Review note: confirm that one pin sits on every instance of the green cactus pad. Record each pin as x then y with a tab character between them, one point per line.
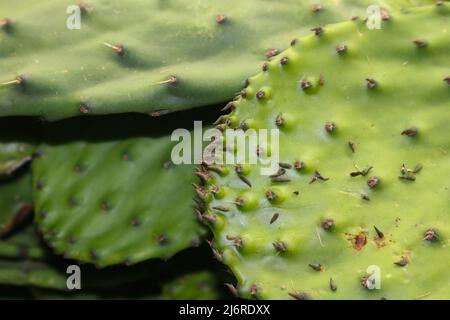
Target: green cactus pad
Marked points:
146	56
23	244
13	156
15	202
201	285
113	201
364	156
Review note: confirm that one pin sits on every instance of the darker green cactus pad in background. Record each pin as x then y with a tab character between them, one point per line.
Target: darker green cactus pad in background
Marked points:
363	183
106	191
15	202
146	56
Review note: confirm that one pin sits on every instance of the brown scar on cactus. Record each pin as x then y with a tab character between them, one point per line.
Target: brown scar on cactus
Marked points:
352	146
220	19
118	48
358	240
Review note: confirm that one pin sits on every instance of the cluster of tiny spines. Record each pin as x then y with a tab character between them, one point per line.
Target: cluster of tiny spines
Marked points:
359	240
85	108
50	236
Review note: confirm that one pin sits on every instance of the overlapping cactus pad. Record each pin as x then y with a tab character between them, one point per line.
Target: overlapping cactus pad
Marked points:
363	181
146	56
15	202
110	202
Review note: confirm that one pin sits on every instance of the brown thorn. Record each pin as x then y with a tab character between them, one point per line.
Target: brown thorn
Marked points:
232	289
379	233
245	180
274	217
118	48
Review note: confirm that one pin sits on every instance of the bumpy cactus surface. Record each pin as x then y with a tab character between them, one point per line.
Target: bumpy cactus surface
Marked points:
145	56
360	198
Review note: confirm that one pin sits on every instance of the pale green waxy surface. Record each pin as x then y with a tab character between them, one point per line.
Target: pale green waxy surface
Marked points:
410	92
67	72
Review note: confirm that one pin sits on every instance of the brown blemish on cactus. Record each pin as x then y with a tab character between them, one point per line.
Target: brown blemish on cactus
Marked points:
220	19
284	61
293	42
272	53
118	48
233	290
318	176
274	217
279	246
358	241
265	66
330	127
373	182
327	224
298	295
318	31
371	83
316	267
420	43
316	8
410	132
341	48
431	235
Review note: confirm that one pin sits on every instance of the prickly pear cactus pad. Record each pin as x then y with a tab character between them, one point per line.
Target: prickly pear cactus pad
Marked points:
112	201
15	202
13	156
201	285
145	56
361	196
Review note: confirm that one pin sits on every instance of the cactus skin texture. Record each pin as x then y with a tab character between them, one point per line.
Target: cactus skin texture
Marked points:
200	285
15	202
13	156
314	235
112	200
146	56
